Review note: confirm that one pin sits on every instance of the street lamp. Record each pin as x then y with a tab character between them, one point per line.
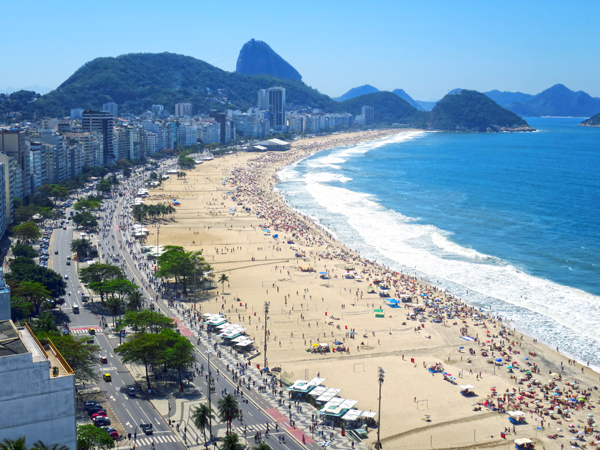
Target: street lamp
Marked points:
380	378
207	353
266	319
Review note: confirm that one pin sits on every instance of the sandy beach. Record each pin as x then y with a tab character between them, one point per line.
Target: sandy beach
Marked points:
415	345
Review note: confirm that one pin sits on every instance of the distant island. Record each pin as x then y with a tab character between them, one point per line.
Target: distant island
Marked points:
593	121
473	111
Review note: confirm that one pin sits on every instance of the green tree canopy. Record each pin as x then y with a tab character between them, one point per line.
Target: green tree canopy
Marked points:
24	250
85	219
82	357
229	409
146	321
81	246
90	437
176	262
202	416
100	273
25	269
34	293
27	231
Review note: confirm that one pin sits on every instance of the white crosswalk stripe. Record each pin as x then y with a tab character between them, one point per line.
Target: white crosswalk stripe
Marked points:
157	439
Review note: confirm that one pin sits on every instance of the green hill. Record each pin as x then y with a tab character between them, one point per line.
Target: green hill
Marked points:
136	81
593	121
389	109
473	111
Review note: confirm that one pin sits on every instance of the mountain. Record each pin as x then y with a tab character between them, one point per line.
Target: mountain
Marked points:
35	88
407	98
555	101
473	111
389	109
136	81
256	57
355	92
506	98
593	121
426	106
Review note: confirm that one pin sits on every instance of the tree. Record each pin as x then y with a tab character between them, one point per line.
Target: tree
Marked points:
104	186
146	320
60	192
202	416
85	219
24	250
143	348
126	172
90	437
82	357
181	355
135	300
45	323
177	263
223	279
34	293
42	446
80	246
25	269
114	305
13	444
27	231
229	409
89	203
25	213
230	442
98	273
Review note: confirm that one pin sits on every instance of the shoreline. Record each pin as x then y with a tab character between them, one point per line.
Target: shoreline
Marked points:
423	277
261	268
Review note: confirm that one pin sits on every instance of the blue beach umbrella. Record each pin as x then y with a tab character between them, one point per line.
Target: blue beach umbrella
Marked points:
499	360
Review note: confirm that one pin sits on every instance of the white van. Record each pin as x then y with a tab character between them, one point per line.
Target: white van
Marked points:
75	308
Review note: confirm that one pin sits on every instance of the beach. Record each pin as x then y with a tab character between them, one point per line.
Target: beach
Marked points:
319	292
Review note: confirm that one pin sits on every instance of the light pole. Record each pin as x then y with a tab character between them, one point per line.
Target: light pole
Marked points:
380	378
266	319
207	353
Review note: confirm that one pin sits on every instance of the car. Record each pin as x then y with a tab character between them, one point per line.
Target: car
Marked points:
64	228
107	377
56	252
101	421
112	432
101	413
92	404
66	277
68	263
131	391
103	360
146	428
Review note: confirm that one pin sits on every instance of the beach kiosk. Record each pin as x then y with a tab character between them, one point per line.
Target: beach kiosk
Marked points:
301	388
524	444
516	417
336	408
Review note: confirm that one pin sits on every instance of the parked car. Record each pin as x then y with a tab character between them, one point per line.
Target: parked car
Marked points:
100	413
112	432
91	404
101	421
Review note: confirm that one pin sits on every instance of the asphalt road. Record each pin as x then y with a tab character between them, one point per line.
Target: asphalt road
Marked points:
132	411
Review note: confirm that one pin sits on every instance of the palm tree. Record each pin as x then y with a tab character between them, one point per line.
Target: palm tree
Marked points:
229	409
114	305
42	446
230	442
223	279
81	247
262	445
135	299
201	417
13	444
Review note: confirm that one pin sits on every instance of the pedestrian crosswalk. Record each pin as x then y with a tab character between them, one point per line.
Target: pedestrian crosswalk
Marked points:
84	330
254	428
156	438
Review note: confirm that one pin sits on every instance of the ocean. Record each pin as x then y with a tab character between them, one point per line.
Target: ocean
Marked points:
507	222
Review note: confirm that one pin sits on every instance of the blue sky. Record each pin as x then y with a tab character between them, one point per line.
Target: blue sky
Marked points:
425	48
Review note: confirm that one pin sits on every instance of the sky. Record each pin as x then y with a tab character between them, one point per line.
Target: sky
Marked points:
425	48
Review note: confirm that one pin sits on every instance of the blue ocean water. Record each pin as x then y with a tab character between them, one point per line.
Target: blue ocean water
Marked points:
508	222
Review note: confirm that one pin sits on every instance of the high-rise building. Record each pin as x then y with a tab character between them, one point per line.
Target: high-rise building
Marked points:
3	226
102	122
368	115
277	109
37	155
10	169
157	110
76	113
12	142
111	108
37	393
183	110
263	100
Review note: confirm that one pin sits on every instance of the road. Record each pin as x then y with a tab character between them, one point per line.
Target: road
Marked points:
133	411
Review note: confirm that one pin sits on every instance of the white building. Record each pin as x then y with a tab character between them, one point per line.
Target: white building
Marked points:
111	108
37	393
183	110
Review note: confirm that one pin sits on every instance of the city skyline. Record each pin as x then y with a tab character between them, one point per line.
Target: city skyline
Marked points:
426	52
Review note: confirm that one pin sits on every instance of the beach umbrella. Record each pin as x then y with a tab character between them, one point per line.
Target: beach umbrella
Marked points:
461	348
338	343
509	367
499	360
